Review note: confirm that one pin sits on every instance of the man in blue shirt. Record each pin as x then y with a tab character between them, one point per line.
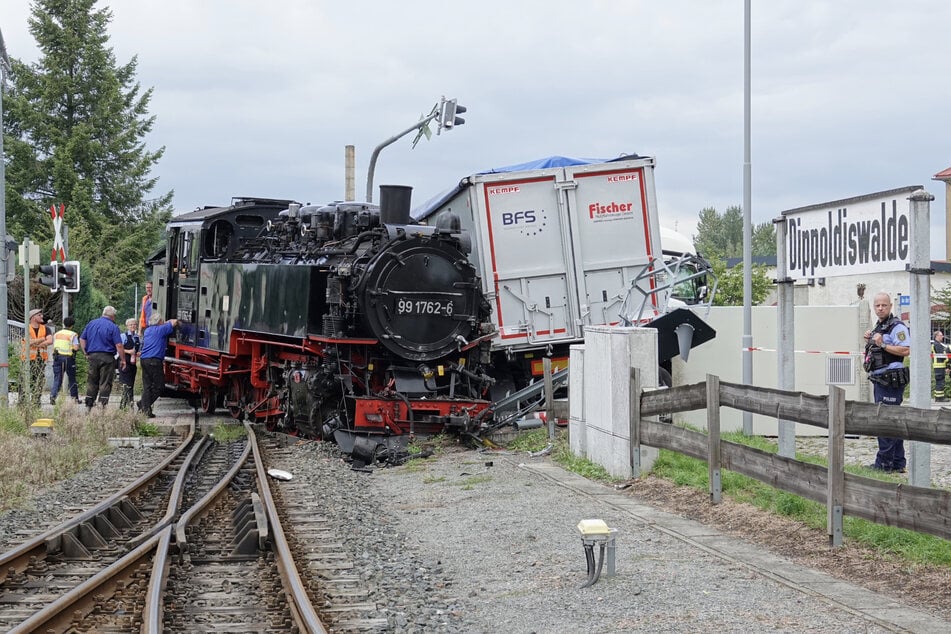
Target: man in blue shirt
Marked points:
101	342
152	360
887	345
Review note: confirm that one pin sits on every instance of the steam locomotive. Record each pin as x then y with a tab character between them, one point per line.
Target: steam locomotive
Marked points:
341	321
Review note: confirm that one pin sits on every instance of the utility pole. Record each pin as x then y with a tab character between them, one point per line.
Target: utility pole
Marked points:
4	327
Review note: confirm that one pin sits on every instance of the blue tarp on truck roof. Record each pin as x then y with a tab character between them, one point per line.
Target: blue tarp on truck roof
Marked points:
427	208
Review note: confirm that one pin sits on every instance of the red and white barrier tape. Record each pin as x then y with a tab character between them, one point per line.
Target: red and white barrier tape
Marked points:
757	349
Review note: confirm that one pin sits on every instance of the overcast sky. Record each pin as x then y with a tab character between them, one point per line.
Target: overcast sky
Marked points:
255	98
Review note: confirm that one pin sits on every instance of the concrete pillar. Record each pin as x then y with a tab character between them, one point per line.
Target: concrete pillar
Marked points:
609	354
576	419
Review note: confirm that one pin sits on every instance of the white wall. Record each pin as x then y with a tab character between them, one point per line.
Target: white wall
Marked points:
817	328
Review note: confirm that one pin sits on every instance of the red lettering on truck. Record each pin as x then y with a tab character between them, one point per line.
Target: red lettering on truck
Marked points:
602	209
622	177
508	189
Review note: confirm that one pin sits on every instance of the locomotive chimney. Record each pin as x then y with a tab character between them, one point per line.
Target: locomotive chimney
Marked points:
395	204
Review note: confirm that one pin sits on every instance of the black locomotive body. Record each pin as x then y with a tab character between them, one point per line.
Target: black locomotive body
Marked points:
340	320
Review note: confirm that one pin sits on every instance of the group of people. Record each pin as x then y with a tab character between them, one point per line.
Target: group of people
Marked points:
107	348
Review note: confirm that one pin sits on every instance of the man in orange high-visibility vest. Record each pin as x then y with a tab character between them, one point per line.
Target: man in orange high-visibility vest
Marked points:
145	312
36	340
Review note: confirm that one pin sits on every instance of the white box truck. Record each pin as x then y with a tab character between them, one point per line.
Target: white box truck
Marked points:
566	243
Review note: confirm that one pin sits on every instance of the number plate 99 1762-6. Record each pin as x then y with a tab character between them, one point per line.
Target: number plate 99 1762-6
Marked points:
437	307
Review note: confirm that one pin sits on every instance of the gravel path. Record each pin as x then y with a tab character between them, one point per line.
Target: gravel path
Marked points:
506	536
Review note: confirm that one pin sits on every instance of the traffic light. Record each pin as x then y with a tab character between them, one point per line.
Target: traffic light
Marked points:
48	275
450	110
68	276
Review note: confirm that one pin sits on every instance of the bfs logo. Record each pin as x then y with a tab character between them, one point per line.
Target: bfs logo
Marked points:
518	217
528	222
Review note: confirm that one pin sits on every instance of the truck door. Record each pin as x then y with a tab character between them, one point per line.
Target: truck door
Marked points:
616	234
528	259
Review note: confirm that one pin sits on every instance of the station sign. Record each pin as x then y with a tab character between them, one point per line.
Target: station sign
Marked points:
864	234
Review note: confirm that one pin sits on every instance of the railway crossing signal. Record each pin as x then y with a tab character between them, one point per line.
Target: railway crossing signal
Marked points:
449	114
61	276
49	275
68	276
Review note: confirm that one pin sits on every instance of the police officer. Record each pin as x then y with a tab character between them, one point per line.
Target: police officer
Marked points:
939	363
131	344
887	344
65	346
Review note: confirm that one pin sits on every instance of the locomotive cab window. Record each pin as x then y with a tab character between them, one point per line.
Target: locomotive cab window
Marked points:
218	239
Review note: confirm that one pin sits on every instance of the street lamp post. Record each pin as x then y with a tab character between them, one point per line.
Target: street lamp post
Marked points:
443	112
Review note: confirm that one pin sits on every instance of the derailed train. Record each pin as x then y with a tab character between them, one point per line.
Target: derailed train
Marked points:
341	321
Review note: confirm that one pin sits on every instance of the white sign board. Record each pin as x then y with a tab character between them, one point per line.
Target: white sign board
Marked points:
865	234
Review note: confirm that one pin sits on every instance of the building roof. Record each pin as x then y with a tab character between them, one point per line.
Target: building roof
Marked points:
943	175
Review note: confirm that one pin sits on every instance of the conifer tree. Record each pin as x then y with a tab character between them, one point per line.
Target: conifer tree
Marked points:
76	122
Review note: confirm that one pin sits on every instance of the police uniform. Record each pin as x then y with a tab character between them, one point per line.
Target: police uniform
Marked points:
65	345
889	376
939	363
131	344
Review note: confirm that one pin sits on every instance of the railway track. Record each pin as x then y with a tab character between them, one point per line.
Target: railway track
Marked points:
195	544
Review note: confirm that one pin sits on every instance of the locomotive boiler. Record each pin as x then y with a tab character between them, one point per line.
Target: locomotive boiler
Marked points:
343	320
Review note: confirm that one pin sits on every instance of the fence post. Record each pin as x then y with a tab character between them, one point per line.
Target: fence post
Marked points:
713	437
635	422
836	473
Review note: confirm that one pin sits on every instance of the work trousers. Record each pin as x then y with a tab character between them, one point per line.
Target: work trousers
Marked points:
127	381
891	451
101	373
64	365
939	384
37	369
153	382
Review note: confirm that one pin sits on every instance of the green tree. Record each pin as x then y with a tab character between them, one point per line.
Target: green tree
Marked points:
730	284
941	302
76	121
721	235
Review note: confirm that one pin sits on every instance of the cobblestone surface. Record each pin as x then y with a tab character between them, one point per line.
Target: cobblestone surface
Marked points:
861	451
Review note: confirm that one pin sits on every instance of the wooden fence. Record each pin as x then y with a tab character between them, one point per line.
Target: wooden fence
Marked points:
920	509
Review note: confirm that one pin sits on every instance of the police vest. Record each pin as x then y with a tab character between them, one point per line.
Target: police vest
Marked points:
63	342
877	357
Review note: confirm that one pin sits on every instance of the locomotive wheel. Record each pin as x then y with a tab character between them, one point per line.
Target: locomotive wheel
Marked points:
236	394
209	399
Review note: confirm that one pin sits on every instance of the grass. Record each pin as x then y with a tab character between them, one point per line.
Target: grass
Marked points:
908	545
685	471
32	463
228	432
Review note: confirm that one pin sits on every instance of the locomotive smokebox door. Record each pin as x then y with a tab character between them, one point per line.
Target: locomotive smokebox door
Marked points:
420	298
